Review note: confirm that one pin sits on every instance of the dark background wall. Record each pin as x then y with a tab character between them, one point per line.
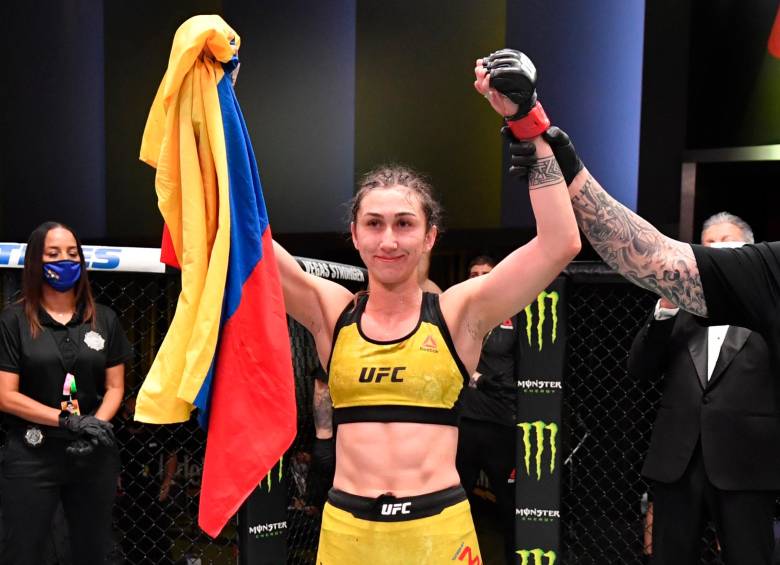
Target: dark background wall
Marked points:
331	90
52	162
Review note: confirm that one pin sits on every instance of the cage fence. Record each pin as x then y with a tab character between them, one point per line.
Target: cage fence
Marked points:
607	422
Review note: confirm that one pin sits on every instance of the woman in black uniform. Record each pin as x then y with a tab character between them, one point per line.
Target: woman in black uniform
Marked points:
61	380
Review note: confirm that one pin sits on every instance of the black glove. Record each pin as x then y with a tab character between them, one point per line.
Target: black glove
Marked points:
513	74
564	152
81	447
323	467
323	456
522	154
88	427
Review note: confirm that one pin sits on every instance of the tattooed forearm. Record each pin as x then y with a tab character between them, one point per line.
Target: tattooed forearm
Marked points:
544	173
637	250
323	409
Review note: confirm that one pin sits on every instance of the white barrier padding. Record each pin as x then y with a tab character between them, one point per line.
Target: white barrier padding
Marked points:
98	258
330	270
147	260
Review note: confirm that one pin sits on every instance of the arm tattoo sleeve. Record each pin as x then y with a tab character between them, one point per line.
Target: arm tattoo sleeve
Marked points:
323	409
544	173
637	250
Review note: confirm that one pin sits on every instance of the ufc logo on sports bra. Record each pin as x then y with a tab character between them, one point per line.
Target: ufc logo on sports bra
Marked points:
376	374
393	509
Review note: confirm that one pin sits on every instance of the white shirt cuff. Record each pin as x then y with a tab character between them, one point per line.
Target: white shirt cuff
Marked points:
664	313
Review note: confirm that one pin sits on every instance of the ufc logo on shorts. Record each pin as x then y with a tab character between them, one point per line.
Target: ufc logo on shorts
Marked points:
393	509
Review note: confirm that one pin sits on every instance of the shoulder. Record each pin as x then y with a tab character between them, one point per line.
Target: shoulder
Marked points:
106	317
105	312
12	314
713	257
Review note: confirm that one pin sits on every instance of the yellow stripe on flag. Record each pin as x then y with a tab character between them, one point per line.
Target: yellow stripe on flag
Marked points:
184	140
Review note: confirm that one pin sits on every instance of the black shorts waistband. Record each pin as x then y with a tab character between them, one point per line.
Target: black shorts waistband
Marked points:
388	508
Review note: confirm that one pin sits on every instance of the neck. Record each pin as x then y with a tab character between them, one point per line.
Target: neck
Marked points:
58	302
394	299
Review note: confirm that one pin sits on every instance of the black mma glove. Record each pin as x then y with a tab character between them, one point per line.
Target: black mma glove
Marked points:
522	154
323	467
513	74
80	447
323	456
564	152
88	427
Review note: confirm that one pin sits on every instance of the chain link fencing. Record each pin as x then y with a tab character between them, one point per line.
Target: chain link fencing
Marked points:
608	418
607	423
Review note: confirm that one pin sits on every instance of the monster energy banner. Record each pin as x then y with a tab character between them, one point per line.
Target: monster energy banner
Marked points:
539	401
262	522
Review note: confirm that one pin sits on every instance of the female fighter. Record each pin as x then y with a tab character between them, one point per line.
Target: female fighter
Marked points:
397	358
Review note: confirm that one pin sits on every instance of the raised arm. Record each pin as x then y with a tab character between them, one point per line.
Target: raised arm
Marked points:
486	301
314	302
517	280
628	243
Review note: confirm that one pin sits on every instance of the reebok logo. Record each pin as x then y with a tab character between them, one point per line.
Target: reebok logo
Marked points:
396	508
429	345
376	374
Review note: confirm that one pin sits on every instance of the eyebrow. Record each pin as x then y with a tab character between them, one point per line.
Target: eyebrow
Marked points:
397	215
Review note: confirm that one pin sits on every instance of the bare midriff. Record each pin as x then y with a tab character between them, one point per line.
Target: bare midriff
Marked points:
397	458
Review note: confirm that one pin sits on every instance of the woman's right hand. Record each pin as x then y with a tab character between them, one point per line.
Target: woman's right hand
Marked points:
500	103
89	427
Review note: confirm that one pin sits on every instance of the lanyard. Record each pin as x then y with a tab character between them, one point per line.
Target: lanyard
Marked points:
69	386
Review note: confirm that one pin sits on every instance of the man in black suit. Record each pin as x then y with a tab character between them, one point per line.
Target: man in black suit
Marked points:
713	447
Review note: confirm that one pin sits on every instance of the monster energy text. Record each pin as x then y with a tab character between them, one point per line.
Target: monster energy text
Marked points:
537	514
542	307
537	386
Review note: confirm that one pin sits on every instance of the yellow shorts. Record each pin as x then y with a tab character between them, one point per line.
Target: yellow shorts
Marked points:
431	529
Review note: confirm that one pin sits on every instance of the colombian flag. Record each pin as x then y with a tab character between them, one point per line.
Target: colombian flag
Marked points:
227	350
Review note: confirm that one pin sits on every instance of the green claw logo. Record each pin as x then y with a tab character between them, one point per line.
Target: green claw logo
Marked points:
538	556
542	307
269	476
539	428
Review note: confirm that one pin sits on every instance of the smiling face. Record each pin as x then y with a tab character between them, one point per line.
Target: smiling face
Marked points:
391	233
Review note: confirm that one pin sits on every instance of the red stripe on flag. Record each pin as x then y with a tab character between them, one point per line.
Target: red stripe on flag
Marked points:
253	414
774	37
167	252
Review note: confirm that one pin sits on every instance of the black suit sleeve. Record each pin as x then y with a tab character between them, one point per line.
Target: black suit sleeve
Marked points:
649	352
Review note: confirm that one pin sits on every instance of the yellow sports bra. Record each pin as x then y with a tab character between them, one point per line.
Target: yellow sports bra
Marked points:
417	378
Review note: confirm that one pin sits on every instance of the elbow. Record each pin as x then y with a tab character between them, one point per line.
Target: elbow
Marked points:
6	401
561	247
575	245
569	245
